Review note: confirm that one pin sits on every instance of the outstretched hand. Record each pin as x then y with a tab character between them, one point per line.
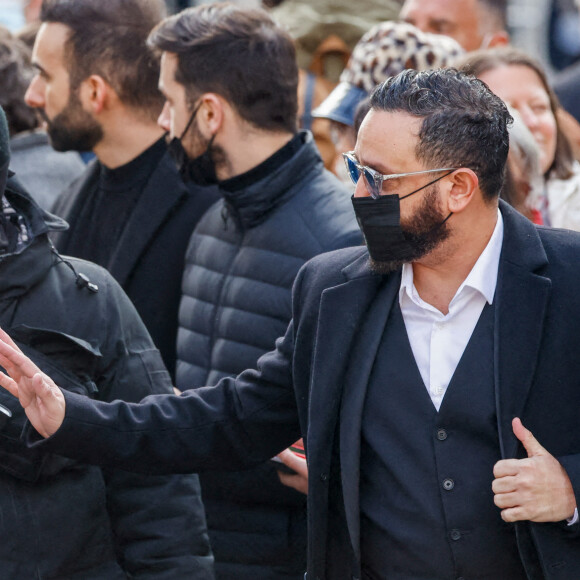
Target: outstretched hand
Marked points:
536	488
41	399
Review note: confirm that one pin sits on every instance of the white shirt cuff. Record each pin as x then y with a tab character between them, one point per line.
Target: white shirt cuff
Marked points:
571	521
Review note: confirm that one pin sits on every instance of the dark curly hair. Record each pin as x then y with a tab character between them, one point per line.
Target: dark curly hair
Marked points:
464	123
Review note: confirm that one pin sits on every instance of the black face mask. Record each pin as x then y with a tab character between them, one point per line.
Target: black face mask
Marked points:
200	169
380	223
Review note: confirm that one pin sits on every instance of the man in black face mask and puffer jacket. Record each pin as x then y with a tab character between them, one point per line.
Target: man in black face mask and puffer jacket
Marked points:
230	79
61	519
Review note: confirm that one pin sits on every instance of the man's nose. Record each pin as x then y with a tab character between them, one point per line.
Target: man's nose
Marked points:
34	96
361	188
164	120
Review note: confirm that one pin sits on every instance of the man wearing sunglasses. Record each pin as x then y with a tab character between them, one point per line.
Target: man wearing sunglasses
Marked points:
410	367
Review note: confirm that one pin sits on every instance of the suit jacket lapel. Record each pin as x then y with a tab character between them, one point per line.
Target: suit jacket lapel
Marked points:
522	296
161	197
363	355
333	343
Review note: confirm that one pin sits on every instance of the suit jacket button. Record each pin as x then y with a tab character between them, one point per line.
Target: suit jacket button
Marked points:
441	434
455	535
323	476
448	484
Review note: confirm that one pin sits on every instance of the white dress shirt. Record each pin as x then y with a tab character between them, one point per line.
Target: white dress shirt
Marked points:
438	340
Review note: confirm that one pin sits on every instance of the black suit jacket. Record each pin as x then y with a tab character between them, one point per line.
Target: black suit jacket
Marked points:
148	262
314	385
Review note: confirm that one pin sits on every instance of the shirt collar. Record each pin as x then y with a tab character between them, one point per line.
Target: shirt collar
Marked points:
483	275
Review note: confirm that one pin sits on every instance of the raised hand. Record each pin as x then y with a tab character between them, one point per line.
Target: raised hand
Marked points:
537	488
41	399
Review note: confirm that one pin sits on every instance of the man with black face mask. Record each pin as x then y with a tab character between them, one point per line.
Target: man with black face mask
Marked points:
230	78
414	390
129	211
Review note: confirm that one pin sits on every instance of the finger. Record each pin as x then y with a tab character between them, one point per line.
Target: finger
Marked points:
506	468
14	361
505	484
5	337
295	463
43	386
9	384
296	482
515	514
50	398
507	500
529	442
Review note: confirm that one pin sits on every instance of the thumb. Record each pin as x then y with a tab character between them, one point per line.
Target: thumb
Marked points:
529	442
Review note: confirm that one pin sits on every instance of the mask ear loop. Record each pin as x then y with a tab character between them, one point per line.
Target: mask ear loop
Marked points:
191	118
427	185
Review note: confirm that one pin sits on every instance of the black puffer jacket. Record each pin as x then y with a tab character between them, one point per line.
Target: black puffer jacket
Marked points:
240	267
61	520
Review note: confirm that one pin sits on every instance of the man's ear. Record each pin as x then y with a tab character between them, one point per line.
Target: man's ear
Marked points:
94	93
500	38
464	185
212	113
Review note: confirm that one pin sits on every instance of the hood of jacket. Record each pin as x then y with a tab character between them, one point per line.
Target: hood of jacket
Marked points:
32	257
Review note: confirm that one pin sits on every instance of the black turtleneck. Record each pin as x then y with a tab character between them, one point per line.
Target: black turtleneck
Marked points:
265	168
99	227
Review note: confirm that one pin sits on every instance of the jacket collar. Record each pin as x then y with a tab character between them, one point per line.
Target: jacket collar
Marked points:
522	297
250	206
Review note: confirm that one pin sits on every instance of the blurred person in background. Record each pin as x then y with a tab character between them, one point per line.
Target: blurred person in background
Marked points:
524	187
472	23
325	32
521	82
229	77
384	51
32	10
42	170
96	88
567	83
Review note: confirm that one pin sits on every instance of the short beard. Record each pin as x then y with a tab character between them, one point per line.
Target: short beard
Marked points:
73	129
424	232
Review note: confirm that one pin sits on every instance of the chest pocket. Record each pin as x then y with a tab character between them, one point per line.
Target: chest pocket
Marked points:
72	363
